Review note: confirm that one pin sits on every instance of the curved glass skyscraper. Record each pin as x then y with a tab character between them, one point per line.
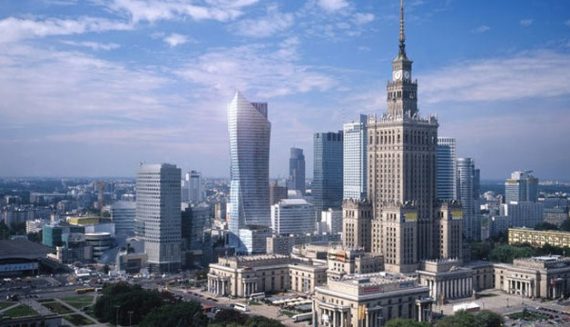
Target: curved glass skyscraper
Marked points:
249	132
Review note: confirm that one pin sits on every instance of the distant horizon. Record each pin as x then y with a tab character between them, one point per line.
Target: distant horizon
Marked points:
483	181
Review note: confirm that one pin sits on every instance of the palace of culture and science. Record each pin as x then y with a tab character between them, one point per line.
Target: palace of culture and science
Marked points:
402	176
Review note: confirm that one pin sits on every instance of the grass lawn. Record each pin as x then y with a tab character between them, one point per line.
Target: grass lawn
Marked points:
78	320
57	307
20	311
79	301
4	305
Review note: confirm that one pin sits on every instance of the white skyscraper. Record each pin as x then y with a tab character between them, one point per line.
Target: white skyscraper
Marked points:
446	171
249	133
292	216
355	146
158	214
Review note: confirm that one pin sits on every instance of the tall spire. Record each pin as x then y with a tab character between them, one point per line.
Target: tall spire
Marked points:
402	52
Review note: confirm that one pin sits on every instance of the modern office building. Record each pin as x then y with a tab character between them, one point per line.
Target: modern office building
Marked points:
356	224
123	214
253	239
293	216
465	180
522	186
195	183
195	220
331	222
402	169
355	149
523	214
556	216
446	174
277	193
327	170
249	133
158	211
297	170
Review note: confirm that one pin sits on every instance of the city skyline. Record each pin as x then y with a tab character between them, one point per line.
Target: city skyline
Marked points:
113	109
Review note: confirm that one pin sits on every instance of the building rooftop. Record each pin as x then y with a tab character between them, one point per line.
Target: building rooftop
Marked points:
290	202
12	249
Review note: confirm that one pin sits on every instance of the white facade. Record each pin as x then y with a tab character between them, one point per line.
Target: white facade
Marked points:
446	173
158	211
331	221
123	215
355	146
292	216
249	132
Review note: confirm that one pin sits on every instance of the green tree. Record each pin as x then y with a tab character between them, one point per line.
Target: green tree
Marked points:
459	319
565	226
400	322
462	318
486	318
545	226
227	316
481	250
179	314
259	321
121	298
506	253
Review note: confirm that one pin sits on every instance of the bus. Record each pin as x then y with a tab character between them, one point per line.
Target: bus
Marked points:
240	307
84	290
259	296
302	317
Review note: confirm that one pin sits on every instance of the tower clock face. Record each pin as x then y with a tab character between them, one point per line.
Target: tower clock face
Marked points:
407	75
397	75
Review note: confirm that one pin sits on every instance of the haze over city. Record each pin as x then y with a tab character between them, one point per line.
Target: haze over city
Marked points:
94	88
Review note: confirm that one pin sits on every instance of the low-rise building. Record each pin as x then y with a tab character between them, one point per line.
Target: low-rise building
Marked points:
539	238
537	277
446	279
241	276
370	300
343	261
283	244
304	277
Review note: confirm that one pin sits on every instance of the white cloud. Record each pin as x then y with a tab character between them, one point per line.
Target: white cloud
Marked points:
363	18
274	22
526	75
567	23
257	70
155	10
526	22
14	29
39	85
481	29
332	5
175	39
97	46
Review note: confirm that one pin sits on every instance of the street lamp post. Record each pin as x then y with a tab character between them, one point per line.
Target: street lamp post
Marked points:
130	317
117	307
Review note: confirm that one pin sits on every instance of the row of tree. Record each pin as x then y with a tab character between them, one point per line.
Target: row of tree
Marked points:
126	304
483	318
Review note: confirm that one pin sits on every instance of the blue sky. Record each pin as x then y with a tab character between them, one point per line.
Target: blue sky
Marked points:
92	88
